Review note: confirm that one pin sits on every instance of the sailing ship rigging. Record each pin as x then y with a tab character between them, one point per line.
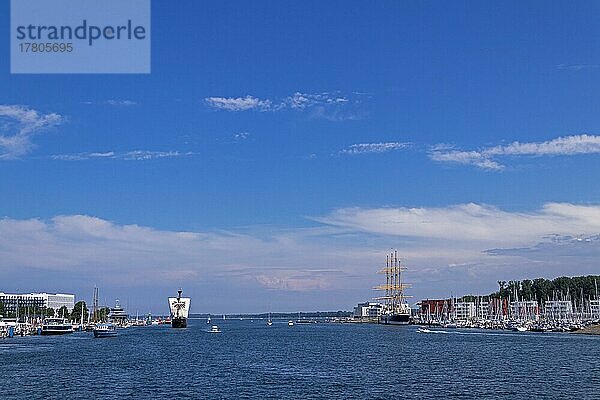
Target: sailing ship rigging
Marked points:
396	310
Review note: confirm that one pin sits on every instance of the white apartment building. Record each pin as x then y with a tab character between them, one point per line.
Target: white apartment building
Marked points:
558	309
483	310
525	310
464	310
595	308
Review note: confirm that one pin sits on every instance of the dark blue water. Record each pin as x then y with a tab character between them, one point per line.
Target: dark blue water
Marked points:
252	360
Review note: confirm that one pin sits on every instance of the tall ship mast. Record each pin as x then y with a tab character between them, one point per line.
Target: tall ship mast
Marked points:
396	310
180	308
95	305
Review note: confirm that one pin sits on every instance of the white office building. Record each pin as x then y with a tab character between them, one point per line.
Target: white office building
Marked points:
12	301
368	310
58	300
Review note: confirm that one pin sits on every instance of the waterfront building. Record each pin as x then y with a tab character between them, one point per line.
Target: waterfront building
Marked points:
525	310
368	310
464	310
58	300
483	310
435	309
558	309
11	301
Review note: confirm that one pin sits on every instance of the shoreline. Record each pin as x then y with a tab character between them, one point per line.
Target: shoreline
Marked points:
589	330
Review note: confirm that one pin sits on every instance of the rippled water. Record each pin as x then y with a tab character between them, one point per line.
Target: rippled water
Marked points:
252	360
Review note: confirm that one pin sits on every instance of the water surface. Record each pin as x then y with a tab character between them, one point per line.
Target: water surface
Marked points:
310	361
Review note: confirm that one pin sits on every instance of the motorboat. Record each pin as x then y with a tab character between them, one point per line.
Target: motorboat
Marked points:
105	330
214	329
56	326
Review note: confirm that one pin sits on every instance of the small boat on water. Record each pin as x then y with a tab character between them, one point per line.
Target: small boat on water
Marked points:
426	330
269	321
290	323
105	330
56	326
214	329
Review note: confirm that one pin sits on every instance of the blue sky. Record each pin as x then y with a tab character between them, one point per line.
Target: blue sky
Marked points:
278	150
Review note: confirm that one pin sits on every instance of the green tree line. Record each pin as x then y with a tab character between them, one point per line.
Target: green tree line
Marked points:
542	289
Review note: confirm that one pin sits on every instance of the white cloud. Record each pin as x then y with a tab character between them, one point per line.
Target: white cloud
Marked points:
135	155
239	103
471	222
134	254
107	154
70	157
462	248
562	146
304	100
475	158
362	148
139	155
18	126
112	102
333	106
241	136
576	67
121	102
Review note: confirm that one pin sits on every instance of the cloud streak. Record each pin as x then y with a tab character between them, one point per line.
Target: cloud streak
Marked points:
18	126
382	147
239	103
486	158
328	105
470	222
135	155
121	102
576	67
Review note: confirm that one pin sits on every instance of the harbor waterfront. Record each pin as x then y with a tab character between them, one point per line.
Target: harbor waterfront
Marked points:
540	305
254	360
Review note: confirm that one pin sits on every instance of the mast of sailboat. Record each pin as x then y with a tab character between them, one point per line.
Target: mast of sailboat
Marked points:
95	304
178	301
387	281
597	299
